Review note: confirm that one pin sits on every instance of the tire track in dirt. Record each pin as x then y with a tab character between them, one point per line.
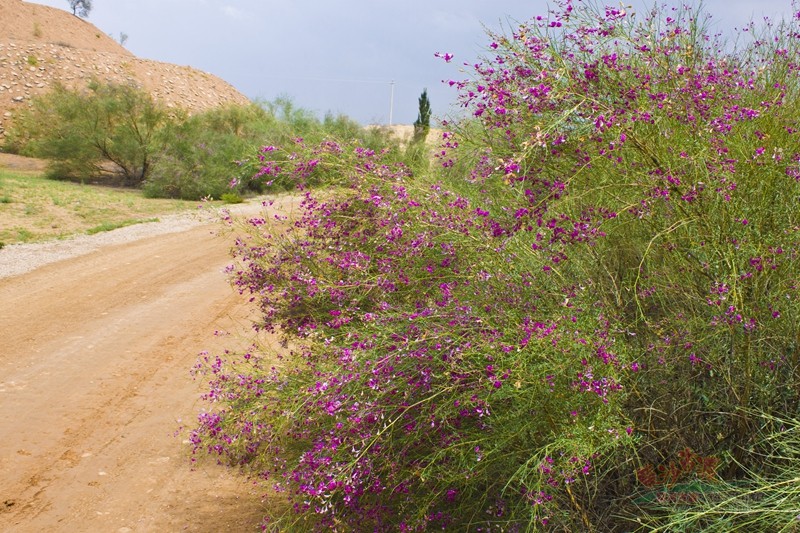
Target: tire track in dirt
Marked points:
94	384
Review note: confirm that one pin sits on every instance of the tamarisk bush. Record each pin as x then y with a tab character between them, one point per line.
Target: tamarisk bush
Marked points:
603	272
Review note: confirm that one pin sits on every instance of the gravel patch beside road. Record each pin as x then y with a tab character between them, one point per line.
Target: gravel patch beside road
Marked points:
16	259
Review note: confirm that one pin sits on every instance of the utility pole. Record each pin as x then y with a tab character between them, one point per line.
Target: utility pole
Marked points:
391	101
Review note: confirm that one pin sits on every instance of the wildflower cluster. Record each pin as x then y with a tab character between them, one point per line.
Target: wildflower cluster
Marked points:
607	256
414	355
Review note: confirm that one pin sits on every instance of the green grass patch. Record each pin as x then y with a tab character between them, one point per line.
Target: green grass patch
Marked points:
231	198
35	209
110	226
23	235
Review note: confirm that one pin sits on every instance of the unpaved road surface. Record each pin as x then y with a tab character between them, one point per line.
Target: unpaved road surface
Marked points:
95	384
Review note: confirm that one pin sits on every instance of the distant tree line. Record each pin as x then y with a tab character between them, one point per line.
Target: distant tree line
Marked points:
117	133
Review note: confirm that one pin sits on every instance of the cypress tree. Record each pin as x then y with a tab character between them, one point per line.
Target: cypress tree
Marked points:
423	123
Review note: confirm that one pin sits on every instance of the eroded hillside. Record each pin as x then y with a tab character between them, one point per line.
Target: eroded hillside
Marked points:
41	46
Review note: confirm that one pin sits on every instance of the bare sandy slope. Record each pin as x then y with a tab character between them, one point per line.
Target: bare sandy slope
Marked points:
95	359
41	46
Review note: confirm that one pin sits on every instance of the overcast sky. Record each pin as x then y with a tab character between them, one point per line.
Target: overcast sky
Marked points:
339	56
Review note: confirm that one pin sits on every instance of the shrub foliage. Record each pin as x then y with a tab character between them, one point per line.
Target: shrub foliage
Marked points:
119	130
107	128
602	275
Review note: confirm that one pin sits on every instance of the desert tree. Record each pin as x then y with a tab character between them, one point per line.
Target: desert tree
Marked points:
105	129
80	8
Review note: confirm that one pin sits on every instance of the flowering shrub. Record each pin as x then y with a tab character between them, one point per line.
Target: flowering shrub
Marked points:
603	273
429	381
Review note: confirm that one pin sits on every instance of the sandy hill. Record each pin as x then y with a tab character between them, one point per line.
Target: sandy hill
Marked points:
42	45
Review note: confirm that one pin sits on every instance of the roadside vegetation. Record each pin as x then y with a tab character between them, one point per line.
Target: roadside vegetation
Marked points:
584	317
119	135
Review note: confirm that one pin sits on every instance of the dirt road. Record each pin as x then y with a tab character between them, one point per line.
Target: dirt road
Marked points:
95	359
